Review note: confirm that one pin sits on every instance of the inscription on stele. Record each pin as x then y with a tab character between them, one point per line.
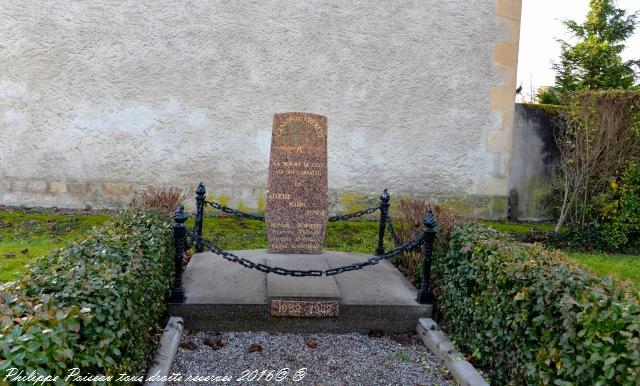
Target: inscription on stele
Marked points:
297	199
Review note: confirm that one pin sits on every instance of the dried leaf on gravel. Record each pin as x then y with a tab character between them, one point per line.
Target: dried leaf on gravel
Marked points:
255	347
216	344
189	345
403	339
312	343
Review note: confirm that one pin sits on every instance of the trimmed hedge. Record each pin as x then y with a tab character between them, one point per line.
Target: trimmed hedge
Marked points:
532	318
94	305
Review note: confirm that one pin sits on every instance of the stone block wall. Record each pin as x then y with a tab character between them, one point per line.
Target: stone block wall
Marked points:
101	99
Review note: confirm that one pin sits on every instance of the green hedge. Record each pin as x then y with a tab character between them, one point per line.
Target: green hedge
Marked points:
94	305
532	318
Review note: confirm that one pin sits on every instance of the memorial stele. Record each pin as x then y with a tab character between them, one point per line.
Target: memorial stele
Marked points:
297	193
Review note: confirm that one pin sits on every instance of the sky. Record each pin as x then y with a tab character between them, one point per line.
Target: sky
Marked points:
542	25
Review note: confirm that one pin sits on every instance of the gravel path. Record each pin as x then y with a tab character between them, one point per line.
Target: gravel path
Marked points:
311	359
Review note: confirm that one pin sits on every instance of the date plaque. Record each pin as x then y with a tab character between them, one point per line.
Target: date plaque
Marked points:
305	308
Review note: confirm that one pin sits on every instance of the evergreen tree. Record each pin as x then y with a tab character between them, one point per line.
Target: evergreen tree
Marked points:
594	62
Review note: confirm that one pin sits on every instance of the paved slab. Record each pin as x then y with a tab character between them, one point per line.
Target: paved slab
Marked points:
381	284
210	279
225	296
279	286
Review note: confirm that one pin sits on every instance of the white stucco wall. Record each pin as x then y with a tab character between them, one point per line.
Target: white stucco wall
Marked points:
174	92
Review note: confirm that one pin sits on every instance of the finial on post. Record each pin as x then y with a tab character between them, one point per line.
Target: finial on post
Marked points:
385	197
180	216
200	190
430	221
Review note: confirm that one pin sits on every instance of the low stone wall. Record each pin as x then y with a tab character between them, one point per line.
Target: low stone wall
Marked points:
94	195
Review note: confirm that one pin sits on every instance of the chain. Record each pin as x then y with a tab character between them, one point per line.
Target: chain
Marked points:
392	232
250	264
343	217
412	244
300	273
234	212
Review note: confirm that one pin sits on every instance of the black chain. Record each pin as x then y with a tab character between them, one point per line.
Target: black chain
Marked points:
348	216
412	244
392	232
341	217
235	212
250	264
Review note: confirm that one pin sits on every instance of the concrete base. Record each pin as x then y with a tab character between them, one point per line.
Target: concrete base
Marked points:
221	295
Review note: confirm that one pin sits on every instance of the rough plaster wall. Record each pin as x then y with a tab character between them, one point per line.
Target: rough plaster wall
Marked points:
173	92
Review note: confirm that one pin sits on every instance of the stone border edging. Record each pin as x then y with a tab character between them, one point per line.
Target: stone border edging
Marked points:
163	359
441	346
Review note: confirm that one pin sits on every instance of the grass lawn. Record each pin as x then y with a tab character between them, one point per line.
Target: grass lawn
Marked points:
626	267
26	236
236	233
516	228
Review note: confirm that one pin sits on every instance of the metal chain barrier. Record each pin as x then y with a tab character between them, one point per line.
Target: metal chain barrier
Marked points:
340	217
392	232
234	212
412	244
360	213
250	264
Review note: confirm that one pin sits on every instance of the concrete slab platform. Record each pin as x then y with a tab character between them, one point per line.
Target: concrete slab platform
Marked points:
379	284
210	279
225	296
279	286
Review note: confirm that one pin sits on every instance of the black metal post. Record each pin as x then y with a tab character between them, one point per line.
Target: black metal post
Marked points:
429	235
384	213
200	193
179	236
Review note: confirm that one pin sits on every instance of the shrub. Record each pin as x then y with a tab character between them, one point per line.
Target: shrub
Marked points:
163	200
410	223
532	318
600	135
618	210
585	239
94	305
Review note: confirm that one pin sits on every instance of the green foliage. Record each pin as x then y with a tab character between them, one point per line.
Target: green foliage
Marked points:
26	236
625	267
534	318
618	210
600	135
549	96
594	62
94	305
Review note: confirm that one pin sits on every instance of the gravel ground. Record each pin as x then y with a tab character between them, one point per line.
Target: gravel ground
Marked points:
311	359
